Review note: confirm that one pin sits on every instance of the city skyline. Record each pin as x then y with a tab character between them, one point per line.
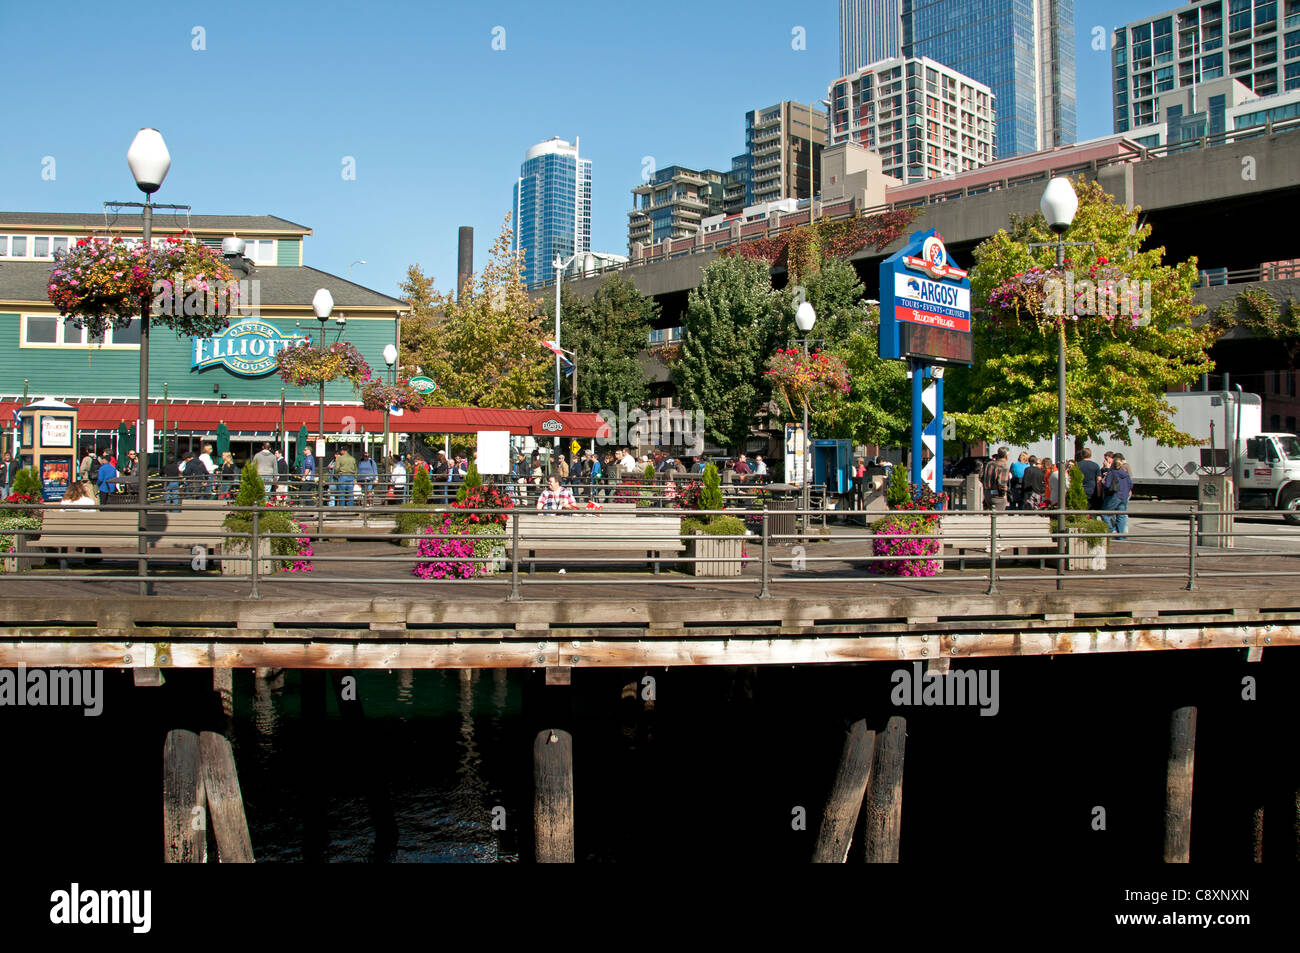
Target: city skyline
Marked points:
387	154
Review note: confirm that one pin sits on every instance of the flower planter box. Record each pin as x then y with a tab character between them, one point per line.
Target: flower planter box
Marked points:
243	567
1086	551
725	548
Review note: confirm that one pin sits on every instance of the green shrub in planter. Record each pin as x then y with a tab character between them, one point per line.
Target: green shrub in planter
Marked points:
8	524
294	549
899	492
1077	499
718	526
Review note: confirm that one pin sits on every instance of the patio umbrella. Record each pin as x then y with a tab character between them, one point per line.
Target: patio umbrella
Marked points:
223	438
125	439
302	446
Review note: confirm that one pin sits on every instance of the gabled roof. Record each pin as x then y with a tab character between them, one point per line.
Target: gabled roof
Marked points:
165	220
279	285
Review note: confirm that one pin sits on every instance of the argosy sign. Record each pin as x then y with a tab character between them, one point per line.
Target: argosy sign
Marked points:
248	348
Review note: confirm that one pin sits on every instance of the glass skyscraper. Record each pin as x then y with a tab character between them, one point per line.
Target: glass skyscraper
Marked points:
1023	50
870	31
552	207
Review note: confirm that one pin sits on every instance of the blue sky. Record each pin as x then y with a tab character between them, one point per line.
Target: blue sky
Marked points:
261	119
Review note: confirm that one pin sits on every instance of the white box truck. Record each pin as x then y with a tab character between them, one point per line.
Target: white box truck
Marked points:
1227	425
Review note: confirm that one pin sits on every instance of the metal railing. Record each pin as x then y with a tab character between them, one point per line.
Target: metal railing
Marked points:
780	549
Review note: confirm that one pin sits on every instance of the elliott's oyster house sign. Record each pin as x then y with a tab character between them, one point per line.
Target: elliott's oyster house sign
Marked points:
248	348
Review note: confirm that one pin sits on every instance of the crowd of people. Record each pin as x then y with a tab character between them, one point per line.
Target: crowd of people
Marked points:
1032	483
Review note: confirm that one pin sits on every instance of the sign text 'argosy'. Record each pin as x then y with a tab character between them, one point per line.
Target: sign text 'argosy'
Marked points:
925	304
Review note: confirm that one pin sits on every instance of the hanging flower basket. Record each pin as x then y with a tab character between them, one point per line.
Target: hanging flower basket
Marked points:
798	379
376	395
307	364
101	283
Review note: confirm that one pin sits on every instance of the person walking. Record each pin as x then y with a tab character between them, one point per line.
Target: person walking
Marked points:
398	477
172	482
1090	470
1117	489
345	476
264	460
367	477
1015	488
995	479
1033	485
106	479
8	470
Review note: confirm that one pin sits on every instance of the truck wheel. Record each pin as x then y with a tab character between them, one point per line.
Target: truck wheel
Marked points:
1291	504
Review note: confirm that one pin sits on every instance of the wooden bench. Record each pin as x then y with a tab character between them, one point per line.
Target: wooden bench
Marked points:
1017	532
66	528
589	533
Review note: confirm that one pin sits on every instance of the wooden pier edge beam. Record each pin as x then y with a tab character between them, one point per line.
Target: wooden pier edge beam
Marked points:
845	800
553	797
884	804
1178	785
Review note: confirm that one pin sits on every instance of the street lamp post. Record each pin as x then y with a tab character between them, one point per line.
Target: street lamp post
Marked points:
804	319
149	162
1058	205
390	358
322	303
359	261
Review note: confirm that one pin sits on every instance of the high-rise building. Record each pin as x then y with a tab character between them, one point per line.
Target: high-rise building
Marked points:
552	207
1197	43
923	118
779	142
870	30
1023	52
1211	108
672	203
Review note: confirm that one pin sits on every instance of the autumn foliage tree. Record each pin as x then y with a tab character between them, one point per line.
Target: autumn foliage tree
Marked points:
483	348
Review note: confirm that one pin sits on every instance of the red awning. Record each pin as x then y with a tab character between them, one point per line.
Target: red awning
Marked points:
265	418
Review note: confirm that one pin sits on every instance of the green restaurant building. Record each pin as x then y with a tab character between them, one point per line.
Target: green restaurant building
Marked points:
195	384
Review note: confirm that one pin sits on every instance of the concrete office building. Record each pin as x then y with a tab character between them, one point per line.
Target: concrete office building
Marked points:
923	118
1023	52
552	202
870	30
1257	43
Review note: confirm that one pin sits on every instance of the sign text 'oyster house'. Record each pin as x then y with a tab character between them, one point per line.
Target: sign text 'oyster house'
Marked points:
248	348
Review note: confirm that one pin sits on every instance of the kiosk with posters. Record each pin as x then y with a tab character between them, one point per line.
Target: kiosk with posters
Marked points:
48	441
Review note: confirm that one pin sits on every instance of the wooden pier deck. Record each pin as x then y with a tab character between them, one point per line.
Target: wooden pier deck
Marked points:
361	608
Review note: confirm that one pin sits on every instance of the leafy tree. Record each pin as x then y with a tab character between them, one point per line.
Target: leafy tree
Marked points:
1118	366
877	408
733	321
483	348
606	331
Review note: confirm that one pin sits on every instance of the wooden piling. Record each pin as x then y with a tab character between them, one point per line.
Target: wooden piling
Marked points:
553	797
884	816
184	828
225	802
845	800
1178	785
